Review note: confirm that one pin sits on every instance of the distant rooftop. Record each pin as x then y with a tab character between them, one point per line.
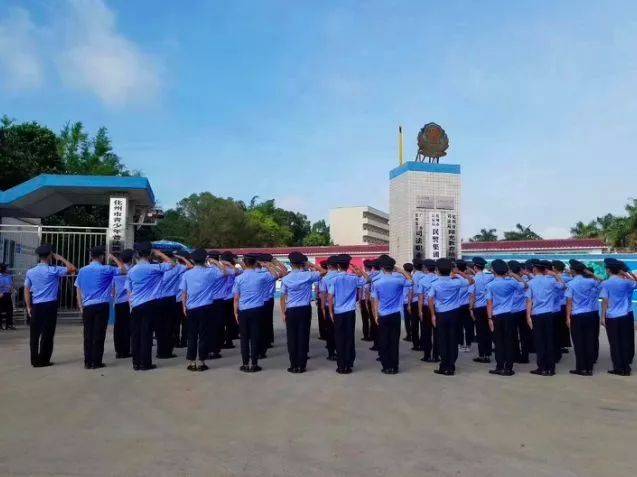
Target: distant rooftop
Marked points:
533	245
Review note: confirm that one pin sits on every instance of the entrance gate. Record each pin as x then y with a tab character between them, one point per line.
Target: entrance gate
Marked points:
17	249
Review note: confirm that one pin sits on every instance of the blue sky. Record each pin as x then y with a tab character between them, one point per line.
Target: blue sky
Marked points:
300	101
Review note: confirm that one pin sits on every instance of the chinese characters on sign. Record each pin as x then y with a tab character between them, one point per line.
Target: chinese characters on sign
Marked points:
451	235
435	234
419	227
437	248
117	223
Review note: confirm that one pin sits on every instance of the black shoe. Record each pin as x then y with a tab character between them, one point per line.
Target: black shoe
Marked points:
137	367
439	371
44	365
215	356
394	371
10	327
449	373
245	368
99	365
341	371
496	371
202	367
385	371
537	371
192	367
228	346
588	372
626	372
88	366
301	370
331	357
424	359
292	370
148	368
122	356
579	372
615	371
508	372
348	370
255	368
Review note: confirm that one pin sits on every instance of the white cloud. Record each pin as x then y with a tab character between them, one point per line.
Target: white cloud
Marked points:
98	59
21	66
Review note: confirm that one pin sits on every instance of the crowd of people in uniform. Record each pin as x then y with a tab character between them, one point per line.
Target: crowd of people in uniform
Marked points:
205	300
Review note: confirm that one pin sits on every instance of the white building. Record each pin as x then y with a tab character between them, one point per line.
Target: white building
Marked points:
424	205
362	225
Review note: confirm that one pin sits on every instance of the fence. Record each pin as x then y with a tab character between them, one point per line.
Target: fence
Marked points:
17	249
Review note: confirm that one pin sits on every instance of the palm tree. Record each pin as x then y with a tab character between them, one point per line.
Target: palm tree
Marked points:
582	230
485	235
521	233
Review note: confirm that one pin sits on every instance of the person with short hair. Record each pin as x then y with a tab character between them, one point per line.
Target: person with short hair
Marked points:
415	323
122	325
197	291
478	309
143	282
466	326
500	297
272	271
582	316
408	293
387	297
429	336
331	268
523	336
343	293
230	329
41	290
540	314
94	293
6	297
364	305
296	309
444	306
562	333
373	276
616	294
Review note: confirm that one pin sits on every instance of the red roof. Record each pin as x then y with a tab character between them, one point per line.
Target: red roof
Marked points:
555	244
314	251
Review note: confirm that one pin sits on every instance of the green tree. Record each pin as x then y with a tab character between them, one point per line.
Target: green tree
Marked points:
319	234
26	150
485	235
521	233
293	226
582	230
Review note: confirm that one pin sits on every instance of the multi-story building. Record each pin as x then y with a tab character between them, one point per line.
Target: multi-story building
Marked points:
362	225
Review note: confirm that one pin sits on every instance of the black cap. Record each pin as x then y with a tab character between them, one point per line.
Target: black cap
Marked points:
547	264
214	254
332	260
228	256
558	265
576	265
408	267
127	255
199	255
537	263
343	259
479	261
297	258
367	263
43	250
499	266
97	251
417	262
385	261
265	257
529	263
514	266
429	263
250	256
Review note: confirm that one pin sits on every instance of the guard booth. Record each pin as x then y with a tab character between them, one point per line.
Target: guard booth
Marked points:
131	204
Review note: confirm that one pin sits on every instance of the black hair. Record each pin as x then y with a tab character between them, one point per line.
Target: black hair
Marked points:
479	267
388	268
250	261
145	253
444	271
409	267
343	266
431	268
614	268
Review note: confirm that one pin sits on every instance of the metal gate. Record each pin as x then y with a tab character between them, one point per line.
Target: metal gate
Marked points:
17	250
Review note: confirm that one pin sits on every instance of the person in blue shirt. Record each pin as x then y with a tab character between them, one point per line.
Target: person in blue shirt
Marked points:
373	276
408	293
197	287
180	330
478	308
295	302
540	314
343	294
562	333
444	305
582	316
6	301
328	324
428	337
94	293
143	283
231	330
122	325
501	293
364	305
248	292
466	326
272	271
387	297
167	306
616	294
416	324
523	336
41	290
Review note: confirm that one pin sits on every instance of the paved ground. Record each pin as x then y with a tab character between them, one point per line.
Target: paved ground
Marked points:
65	420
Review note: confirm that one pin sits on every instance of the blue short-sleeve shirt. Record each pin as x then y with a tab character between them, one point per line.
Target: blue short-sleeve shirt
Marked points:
344	288
446	292
170	281
95	281
387	289
268	285
542	290
618	291
6	283
143	281
584	292
199	284
119	287
297	286
249	288
501	291
480	288
44	282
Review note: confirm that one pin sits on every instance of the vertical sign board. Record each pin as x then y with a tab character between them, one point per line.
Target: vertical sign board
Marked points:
117	217
436	246
452	242
419	234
